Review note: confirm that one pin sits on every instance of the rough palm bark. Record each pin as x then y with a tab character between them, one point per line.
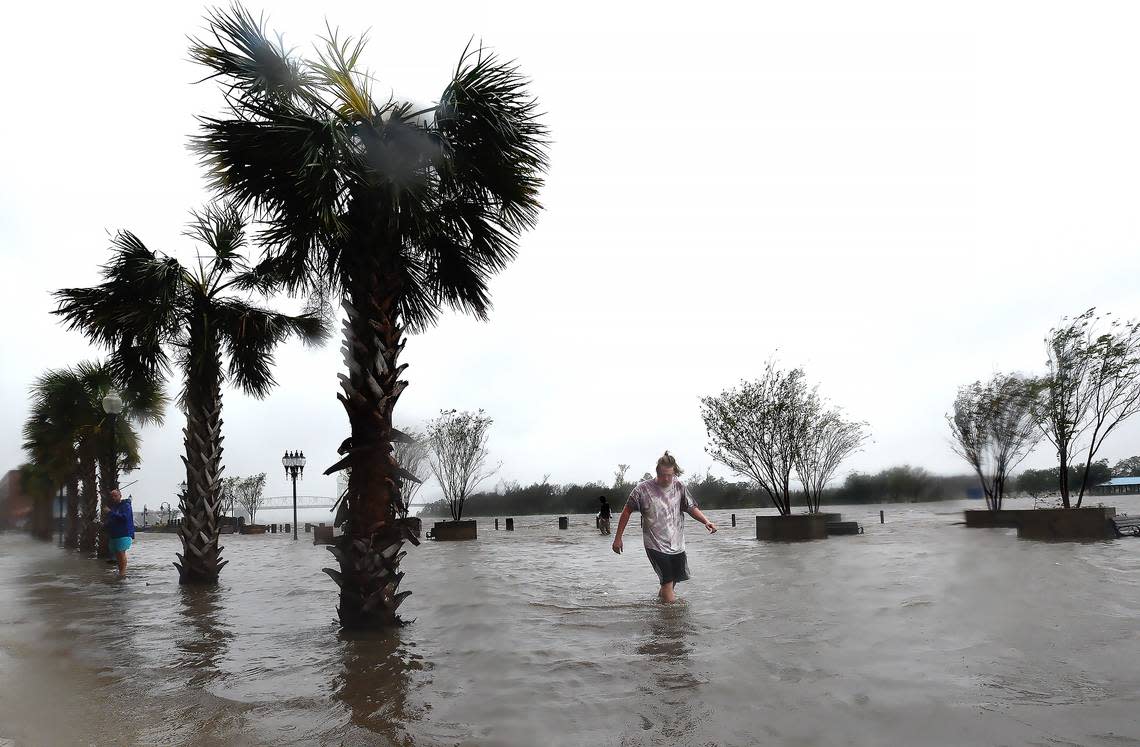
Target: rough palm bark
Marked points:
369	551
201	502
107	482
90	497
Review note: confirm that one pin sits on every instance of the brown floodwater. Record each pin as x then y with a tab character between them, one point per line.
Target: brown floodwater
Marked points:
918	632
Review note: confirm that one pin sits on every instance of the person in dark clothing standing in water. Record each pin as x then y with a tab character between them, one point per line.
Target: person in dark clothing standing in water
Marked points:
661	502
604	515
120	529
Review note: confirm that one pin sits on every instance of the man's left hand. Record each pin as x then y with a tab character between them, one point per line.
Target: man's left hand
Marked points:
711	527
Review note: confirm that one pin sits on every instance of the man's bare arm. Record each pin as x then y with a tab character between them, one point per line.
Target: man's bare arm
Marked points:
617	546
696	514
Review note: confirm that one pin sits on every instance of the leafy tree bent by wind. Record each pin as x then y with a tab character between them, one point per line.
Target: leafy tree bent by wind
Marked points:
151	309
399	211
1091	387
994	431
68	434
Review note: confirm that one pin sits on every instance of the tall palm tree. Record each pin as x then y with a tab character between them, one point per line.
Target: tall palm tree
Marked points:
399	211
149	307
68	434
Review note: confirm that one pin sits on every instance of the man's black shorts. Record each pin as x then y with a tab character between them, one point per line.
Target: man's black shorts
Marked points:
670	567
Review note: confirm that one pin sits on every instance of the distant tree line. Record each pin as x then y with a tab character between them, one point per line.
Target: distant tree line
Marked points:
901	484
1038	483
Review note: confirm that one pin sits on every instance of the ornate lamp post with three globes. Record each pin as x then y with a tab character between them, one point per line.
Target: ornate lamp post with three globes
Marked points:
294	463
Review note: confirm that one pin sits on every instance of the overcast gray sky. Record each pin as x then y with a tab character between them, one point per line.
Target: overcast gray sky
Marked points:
900	197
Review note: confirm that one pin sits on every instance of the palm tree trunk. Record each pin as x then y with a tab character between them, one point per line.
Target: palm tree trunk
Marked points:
89	539
201	502
107	479
369	551
71	536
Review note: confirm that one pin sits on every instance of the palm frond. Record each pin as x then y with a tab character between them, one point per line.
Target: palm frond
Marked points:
270	273
244	58
131	311
341	180
249	335
288	167
334	72
221	227
496	145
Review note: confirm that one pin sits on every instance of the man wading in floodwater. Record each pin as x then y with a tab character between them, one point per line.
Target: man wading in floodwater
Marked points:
661	502
120	526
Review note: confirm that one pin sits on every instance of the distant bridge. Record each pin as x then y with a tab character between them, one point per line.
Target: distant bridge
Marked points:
275	502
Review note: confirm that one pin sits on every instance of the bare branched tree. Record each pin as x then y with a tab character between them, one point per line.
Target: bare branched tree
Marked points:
619	475
249	492
457	454
229	497
410	453
1092	386
755	429
827	440
994	430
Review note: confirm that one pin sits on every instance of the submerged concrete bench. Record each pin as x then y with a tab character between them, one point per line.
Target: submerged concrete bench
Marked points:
843	527
1126	526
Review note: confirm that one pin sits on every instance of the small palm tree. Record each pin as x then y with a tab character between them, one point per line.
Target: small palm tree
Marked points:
400	211
68	434
150	307
39	484
50	441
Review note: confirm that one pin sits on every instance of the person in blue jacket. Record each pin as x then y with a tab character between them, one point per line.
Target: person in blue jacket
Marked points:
120	526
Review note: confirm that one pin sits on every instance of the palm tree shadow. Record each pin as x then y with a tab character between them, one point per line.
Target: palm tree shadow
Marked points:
375	682
204	641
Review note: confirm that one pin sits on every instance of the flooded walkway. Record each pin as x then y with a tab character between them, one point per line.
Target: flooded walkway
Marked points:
917	632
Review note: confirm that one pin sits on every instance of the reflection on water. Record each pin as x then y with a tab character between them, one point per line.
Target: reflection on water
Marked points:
373	683
674	715
917	632
200	640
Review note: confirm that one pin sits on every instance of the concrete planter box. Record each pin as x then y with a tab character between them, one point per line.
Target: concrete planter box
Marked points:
253	529
791	528
323	535
1086	523
984	519
450	531
829	517
1068	524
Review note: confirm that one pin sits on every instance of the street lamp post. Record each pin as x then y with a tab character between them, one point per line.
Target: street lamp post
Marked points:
294	463
113	405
